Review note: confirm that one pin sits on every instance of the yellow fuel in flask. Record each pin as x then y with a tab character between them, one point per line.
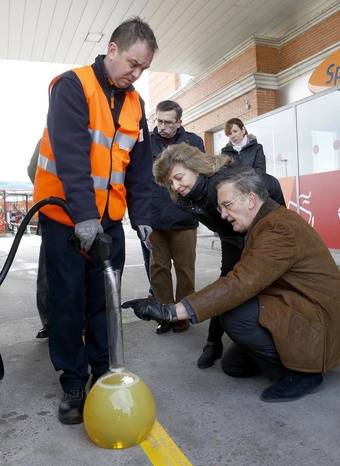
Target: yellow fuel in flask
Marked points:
120	408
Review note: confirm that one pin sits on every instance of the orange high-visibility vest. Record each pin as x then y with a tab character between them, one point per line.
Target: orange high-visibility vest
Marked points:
109	154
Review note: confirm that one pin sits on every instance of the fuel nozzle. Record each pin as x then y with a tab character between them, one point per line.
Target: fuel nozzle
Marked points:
100	250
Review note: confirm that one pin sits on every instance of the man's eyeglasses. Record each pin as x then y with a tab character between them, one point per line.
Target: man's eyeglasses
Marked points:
227	205
165	122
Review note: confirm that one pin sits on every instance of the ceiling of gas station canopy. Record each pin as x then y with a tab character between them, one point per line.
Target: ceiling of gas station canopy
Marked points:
192	34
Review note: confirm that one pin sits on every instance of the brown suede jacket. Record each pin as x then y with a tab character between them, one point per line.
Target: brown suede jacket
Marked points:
286	264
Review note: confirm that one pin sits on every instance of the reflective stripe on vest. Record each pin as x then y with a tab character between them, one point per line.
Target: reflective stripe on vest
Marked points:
117	178
98	182
99	138
124	141
46	164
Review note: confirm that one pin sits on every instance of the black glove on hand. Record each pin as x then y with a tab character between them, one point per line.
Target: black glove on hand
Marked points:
150	309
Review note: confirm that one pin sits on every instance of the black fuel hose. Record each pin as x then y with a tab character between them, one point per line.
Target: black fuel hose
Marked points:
21	230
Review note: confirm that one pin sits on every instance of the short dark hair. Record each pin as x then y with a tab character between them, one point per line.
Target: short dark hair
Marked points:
168	105
234	121
245	180
132	30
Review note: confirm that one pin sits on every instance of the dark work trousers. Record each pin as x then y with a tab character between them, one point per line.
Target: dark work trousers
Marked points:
251	341
179	247
230	256
77	298
146	258
42	287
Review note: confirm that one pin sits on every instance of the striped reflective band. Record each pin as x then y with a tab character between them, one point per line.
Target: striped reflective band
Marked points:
99	138
46	164
117	178
99	182
124	142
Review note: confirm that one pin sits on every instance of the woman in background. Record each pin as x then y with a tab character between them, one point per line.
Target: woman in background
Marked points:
243	147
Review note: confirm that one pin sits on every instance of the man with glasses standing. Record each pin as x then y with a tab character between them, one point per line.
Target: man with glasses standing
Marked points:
174	231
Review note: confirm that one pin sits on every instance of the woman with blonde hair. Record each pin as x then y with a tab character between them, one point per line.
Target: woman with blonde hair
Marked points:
191	177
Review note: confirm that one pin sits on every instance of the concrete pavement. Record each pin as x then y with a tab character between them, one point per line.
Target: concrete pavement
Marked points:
214	419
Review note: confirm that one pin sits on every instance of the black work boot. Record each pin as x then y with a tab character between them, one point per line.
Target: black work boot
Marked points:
43	332
292	386
71	407
211	352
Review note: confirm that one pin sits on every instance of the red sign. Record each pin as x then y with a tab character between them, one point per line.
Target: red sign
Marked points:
319	203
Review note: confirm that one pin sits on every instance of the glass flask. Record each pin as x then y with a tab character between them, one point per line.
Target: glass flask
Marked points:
120	409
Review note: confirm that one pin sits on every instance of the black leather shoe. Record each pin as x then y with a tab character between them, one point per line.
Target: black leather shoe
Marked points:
180	326
291	387
211	352
43	333
71	407
164	327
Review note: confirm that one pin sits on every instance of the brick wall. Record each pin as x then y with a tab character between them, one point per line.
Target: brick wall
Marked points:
312	41
241	65
268	59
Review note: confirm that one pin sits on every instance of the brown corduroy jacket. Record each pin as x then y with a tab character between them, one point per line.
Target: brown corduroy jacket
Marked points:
286	264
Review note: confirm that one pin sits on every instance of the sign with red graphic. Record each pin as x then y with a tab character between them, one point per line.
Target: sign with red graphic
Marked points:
319	203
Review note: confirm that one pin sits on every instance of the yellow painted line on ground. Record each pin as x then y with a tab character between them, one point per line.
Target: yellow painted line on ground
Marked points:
162	450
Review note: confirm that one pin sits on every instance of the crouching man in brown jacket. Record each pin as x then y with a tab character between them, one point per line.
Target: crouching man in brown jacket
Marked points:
280	305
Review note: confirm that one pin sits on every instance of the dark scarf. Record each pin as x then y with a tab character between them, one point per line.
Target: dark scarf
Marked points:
199	190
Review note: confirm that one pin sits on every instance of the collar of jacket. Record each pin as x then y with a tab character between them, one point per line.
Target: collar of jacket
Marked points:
101	74
264	210
229	147
179	136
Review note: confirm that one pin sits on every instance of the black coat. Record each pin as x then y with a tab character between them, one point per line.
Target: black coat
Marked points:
165	215
251	155
202	203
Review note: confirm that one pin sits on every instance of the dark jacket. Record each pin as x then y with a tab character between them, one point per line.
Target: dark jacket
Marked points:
286	264
165	214
202	203
67	123
251	155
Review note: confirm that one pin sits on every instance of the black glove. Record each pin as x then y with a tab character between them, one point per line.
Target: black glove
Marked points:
150	309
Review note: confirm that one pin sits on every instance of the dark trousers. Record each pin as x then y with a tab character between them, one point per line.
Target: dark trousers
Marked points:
253	344
77	298
230	256
42	287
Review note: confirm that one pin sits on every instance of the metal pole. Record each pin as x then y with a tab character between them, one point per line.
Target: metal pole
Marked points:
114	318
